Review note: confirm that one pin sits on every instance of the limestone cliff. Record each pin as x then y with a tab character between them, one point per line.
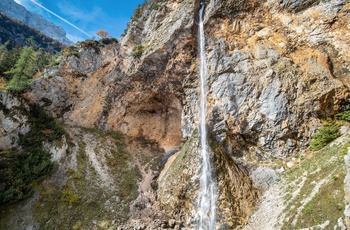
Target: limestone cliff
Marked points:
275	70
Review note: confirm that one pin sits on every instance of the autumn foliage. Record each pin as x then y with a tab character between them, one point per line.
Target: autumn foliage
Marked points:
103	34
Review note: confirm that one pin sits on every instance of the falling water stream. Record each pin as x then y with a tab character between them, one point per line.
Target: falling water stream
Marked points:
207	196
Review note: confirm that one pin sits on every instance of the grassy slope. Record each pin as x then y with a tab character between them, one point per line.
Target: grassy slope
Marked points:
93	187
314	190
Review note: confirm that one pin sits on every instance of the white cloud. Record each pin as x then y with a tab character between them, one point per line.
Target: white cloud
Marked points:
77	12
59	17
74	38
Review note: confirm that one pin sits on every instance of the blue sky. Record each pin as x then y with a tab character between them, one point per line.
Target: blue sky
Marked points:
88	16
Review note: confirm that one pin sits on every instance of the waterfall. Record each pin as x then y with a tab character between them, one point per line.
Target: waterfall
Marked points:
207	196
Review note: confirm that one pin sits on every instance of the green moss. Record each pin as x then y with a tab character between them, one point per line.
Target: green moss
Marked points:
69	196
232	181
344	149
78	225
186	153
119	163
173	182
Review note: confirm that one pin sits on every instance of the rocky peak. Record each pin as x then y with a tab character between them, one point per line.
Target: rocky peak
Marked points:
17	11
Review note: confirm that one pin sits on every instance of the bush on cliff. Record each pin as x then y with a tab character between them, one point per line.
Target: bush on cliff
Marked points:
138	51
343	116
21	169
324	136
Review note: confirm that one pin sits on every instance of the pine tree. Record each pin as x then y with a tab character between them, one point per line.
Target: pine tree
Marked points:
137	11
9	61
3	56
3	51
23	70
43	59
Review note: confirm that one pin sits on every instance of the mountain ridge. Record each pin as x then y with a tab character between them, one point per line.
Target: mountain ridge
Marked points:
19	12
18	33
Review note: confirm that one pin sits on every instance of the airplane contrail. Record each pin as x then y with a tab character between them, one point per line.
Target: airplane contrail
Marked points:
43	7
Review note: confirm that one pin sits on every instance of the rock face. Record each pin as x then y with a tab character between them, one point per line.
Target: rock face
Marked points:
16	11
270	76
55	89
178	186
273	75
12	124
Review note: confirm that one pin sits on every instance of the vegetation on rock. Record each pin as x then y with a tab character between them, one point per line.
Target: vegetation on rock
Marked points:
17	33
272	76
104	166
103	34
324	136
147	4
314	191
138	51
344	116
88	44
23	70
329	132
19	65
21	169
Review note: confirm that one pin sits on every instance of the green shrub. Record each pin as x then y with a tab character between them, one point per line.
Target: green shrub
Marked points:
71	51
156	7
91	44
55	63
43	128
138	51
324	136
20	170
344	116
107	41
344	150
